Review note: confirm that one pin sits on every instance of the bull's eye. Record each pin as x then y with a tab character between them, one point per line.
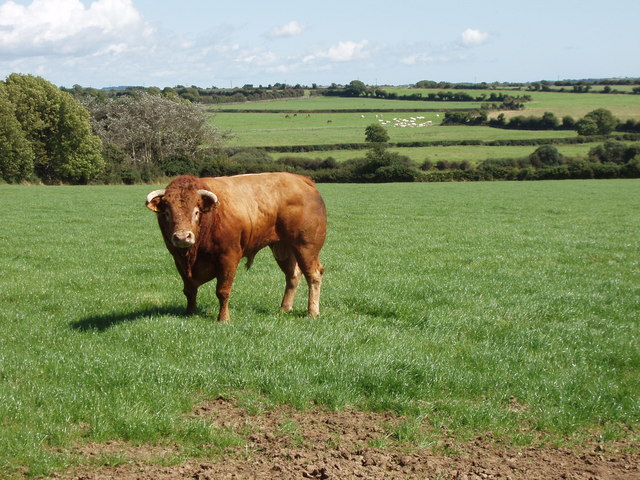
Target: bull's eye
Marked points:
196	215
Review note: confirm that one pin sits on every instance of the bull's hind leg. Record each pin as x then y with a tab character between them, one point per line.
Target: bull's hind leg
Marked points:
289	265
312	270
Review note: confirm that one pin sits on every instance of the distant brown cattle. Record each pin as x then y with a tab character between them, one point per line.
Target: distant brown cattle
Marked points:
209	224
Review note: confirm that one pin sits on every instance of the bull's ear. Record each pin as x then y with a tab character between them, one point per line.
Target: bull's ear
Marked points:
209	200
153	200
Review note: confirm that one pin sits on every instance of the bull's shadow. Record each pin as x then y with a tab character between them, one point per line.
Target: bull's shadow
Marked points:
104	322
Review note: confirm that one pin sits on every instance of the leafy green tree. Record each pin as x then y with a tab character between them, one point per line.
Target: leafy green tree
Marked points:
76	151
376	133
16	155
568	123
58	130
549	121
603	120
355	88
381	165
614	151
587	126
545	155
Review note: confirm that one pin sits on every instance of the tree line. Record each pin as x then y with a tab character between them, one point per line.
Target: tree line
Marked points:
578	86
213	95
491	101
597	122
48	135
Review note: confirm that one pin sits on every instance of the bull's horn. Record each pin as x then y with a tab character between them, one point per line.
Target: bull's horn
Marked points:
211	195
154	194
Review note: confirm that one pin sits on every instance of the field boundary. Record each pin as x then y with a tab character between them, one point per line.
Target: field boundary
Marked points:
447	143
342	110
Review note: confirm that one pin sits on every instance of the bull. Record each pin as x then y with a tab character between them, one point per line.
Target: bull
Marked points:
210	224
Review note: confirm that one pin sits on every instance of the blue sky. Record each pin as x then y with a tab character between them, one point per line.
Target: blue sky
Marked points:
101	43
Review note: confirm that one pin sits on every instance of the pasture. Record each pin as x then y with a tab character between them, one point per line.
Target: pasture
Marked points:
307	121
455	153
445	303
341	103
275	129
623	106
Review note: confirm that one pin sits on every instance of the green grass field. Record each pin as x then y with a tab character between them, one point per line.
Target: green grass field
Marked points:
441	302
624	106
456	153
274	129
339	103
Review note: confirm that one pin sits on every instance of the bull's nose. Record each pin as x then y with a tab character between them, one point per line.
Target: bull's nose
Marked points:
183	239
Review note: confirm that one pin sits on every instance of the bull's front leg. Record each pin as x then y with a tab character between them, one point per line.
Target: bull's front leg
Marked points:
226	274
190	288
190	291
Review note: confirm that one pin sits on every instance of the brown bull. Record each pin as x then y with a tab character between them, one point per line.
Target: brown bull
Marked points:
209	224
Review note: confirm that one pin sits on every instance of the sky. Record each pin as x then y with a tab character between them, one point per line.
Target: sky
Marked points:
105	43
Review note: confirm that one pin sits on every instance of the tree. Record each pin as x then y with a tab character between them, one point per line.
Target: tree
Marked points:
16	155
603	120
545	155
169	134
381	165
586	126
376	133
614	151
549	121
355	88
58	130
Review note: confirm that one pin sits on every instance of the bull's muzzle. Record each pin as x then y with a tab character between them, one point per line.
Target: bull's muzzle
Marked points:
183	239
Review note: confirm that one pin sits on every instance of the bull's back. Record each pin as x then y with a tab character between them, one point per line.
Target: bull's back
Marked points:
272	204
261	190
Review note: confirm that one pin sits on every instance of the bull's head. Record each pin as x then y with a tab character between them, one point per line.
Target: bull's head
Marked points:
180	211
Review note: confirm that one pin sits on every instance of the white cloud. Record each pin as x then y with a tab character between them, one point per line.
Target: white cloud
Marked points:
471	37
428	58
291	29
68	27
342	52
257	56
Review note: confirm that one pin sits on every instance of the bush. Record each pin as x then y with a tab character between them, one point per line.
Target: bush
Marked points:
426	165
396	172
597	122
545	155
614	151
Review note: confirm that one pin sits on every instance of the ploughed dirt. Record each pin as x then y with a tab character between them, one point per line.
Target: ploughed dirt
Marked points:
319	444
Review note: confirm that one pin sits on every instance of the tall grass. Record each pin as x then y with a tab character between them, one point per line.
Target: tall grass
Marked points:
450	303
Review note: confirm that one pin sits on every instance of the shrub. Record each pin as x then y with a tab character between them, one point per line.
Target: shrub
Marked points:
396	172
545	155
597	122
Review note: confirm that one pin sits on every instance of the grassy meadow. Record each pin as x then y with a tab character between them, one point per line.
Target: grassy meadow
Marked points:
502	307
455	153
577	105
276	129
278	125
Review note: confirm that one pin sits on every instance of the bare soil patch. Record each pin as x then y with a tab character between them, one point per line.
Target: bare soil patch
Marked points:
318	444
